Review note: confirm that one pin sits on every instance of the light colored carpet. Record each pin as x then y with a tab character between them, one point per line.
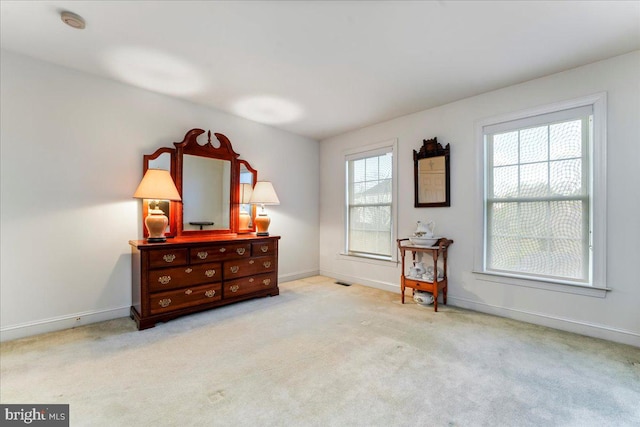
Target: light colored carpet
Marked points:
321	354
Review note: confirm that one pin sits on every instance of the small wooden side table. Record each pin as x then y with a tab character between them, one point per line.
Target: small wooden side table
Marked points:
437	250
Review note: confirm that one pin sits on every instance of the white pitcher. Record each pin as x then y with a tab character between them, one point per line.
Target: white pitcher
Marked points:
425	230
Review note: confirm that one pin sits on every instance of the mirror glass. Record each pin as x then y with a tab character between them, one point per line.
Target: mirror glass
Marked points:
163	161
432	180
206	193
432	175
159	160
246	186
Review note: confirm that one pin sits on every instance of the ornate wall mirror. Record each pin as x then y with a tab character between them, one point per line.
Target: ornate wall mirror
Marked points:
432	175
208	178
163	158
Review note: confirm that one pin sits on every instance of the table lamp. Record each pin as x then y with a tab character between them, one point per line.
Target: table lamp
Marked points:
263	194
156	185
245	195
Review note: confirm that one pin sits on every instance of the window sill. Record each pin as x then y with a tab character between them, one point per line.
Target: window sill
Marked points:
555	286
367	259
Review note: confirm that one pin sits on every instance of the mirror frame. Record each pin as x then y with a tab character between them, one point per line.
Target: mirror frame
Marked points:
189	145
431	148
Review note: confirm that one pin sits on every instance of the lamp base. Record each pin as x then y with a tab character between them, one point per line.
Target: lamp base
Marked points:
244	220
156	223
262	222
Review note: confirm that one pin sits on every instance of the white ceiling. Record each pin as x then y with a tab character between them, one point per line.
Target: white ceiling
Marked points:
319	69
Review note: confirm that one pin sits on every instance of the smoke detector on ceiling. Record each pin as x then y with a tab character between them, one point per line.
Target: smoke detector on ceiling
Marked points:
72	20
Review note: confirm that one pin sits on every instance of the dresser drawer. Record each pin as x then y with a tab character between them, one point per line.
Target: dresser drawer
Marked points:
171	278
250	284
264	248
167	258
220	252
247	267
162	302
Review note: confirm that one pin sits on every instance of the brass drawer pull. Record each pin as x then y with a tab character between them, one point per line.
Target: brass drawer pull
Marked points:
169	258
234	269
251	261
251	280
223	249
164	279
240	251
188	292
266	282
164	302
203	255
264	248
267	264
234	288
188	270
210	293
210	273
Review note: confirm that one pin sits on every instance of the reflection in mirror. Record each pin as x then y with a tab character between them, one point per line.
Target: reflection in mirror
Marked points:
432	180
206	185
246	188
163	161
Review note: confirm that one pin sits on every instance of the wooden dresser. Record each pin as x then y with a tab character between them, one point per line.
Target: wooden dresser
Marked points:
184	275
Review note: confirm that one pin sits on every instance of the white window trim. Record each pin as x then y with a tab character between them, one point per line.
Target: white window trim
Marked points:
598	286
362	152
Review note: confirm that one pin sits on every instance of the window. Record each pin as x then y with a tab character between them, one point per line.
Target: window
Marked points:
370	203
543	208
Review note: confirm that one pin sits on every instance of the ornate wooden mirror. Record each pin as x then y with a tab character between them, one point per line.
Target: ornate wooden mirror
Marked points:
432	175
208	178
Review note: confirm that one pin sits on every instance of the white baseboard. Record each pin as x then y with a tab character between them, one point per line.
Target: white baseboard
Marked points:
563	324
385	286
59	323
297	276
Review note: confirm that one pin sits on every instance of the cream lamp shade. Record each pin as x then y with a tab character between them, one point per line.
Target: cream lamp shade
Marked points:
156	184
246	190
263	194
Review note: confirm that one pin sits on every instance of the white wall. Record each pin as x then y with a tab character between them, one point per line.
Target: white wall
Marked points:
615	317
71	158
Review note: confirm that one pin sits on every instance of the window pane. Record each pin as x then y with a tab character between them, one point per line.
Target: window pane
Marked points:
358	170
534	180
566	219
534	219
533	145
505	149
371	168
505	182
533	256
503	219
504	253
566	177
565	140
385	166
567	259
370	229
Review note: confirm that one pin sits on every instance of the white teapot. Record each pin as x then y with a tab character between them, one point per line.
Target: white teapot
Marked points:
425	230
